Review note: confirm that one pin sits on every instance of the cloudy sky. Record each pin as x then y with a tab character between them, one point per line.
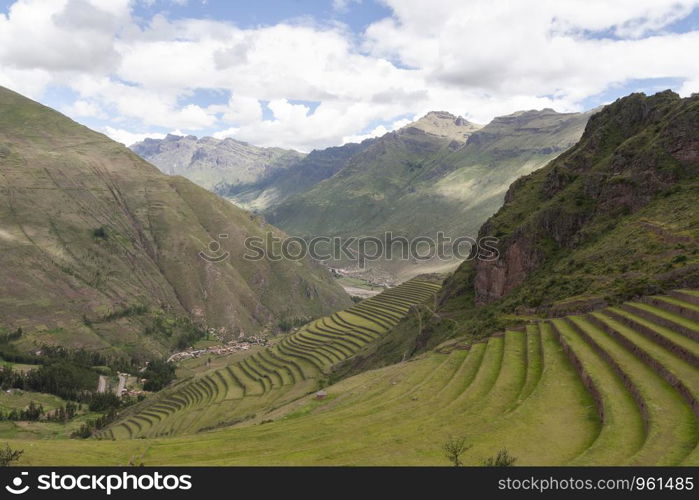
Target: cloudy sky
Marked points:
308	74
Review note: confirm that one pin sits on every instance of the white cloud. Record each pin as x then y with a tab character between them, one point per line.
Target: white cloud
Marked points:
242	109
229	132
29	82
377	131
62	35
476	58
128	138
82	108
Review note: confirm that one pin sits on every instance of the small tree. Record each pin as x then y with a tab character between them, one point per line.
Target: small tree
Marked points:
453	448
502	459
8	455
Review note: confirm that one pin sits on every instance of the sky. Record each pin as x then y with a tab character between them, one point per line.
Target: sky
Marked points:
309	74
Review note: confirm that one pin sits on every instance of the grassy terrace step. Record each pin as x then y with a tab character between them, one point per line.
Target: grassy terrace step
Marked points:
677	306
250	370
378	323
269	374
665	444
671	366
683	346
353	323
354	337
317	348
663	318
237	381
394	300
380	311
662	310
347	341
309	366
358	322
340	326
390	307
413	296
387	320
291	351
296	372
624	426
251	384
278	375
534	361
489	370
512	374
691	296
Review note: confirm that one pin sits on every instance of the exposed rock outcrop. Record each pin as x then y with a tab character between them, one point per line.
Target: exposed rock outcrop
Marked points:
632	152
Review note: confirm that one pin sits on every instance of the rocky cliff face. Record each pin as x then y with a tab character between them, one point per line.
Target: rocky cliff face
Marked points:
212	162
632	153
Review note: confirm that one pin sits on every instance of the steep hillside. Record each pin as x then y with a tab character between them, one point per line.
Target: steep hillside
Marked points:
614	216
215	163
100	249
440	173
317	166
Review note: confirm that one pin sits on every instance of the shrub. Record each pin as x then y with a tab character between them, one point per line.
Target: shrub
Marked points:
453	448
158	374
287	324
502	459
8	455
100	232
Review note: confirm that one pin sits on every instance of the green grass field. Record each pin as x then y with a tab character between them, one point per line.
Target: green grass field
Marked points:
617	386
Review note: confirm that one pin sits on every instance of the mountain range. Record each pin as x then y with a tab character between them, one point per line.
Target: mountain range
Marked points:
439	168
215	163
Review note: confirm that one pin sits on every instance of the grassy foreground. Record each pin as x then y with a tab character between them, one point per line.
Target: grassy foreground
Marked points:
618	386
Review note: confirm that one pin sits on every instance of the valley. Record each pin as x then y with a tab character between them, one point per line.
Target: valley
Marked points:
574	340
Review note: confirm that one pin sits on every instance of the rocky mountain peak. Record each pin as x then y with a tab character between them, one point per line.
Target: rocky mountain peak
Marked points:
444	124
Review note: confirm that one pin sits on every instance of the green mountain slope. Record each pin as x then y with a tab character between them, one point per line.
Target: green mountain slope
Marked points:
439	174
100	249
215	163
275	188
